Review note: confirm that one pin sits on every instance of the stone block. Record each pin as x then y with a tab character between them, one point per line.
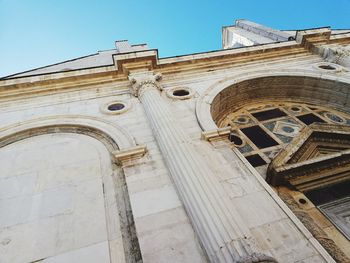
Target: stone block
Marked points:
257	209
154	201
91	254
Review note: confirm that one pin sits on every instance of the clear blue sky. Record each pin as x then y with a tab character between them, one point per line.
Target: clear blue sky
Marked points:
35	33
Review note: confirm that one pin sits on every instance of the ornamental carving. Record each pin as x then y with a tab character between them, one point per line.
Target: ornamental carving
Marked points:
312	225
337	54
319	156
143	81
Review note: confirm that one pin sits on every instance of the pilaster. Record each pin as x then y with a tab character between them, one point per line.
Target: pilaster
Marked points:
218	227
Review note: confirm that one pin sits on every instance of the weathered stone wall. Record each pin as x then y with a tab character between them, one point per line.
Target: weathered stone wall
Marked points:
163	227
52	200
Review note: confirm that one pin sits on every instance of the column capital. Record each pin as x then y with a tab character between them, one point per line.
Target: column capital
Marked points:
141	81
339	54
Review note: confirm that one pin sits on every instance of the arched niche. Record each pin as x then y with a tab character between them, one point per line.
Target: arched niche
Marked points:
228	95
113	136
63	198
239	101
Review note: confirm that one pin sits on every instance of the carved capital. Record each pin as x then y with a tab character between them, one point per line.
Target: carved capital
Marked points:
141	82
337	54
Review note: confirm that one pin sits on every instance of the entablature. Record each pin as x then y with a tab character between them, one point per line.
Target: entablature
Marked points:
318	157
142	60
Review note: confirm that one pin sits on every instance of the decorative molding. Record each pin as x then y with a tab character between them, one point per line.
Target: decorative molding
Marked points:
280	128
140	81
204	104
338	212
218	134
339	54
318	156
310	37
129	155
114	136
38	85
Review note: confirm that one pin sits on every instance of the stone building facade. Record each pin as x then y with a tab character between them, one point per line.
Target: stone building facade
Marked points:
235	155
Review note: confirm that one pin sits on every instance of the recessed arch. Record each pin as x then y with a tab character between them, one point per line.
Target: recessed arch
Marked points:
113	136
290	85
93	142
264	91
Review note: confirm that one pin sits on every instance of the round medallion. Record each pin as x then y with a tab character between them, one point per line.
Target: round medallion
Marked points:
181	93
241	119
334	117
115	107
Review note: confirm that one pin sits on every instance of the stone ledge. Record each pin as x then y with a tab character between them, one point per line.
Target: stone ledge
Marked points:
129	155
218	134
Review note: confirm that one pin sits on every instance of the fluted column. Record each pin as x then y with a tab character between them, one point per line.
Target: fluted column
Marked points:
201	193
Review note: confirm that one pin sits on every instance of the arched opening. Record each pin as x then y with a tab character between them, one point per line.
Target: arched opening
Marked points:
271	113
62	197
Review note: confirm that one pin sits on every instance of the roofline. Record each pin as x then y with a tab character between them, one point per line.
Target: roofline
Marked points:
185	57
13	76
55	64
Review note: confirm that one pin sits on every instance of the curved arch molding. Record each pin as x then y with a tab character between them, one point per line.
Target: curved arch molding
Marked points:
111	135
302	85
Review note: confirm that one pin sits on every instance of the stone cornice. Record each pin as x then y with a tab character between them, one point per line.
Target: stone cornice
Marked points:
133	61
129	156
215	135
299	165
307	41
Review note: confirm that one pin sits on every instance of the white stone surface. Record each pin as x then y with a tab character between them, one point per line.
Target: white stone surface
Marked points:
97	253
62	207
38	171
154	201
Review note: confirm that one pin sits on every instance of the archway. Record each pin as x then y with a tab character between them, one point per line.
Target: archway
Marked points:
265	114
61	192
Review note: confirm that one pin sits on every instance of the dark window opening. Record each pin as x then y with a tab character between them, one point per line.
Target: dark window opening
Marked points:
116	107
268	114
181	93
302	201
328	67
259	137
255	160
329	194
236	139
309	118
296	109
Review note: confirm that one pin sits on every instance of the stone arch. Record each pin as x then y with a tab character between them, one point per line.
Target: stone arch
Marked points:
113	136
116	198
221	97
309	87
